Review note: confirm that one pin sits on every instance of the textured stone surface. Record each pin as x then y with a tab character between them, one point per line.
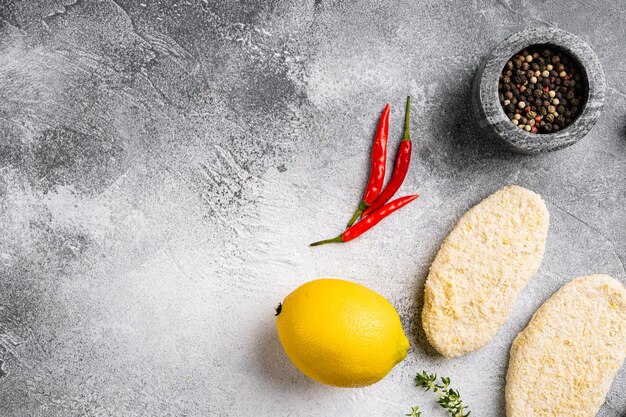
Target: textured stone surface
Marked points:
489	110
164	164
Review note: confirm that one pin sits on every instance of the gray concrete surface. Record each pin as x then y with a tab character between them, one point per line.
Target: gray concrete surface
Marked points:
164	164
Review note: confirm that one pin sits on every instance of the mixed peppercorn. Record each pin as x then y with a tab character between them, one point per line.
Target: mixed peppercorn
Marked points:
541	90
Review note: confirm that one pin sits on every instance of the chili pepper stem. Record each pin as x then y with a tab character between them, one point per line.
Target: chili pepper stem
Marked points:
362	206
407	120
337	239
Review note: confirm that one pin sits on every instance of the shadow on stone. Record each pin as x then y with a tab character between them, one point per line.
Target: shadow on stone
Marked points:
418	336
461	142
275	364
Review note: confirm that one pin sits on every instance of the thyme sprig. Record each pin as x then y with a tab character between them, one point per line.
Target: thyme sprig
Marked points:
448	398
415	412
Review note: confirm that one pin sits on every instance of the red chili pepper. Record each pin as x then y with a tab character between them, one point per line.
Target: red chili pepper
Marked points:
403	160
379	163
370	221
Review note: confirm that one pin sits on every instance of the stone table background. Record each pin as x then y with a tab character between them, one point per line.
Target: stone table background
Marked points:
164	164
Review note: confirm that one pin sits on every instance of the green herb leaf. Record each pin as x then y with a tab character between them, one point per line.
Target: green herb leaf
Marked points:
415	412
449	398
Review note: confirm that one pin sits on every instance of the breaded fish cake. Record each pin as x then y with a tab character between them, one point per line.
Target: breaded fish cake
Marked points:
482	266
563	363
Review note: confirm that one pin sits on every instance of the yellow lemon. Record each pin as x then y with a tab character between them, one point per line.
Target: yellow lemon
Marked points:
340	333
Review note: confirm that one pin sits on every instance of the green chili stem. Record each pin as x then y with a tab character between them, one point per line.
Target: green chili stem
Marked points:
362	206
407	121
337	239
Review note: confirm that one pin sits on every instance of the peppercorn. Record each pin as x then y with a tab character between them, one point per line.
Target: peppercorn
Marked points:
537	87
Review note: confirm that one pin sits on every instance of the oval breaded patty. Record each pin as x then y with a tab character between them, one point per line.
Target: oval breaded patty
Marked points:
482	266
563	363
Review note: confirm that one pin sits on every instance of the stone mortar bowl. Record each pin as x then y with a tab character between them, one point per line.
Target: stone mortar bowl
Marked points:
489	111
